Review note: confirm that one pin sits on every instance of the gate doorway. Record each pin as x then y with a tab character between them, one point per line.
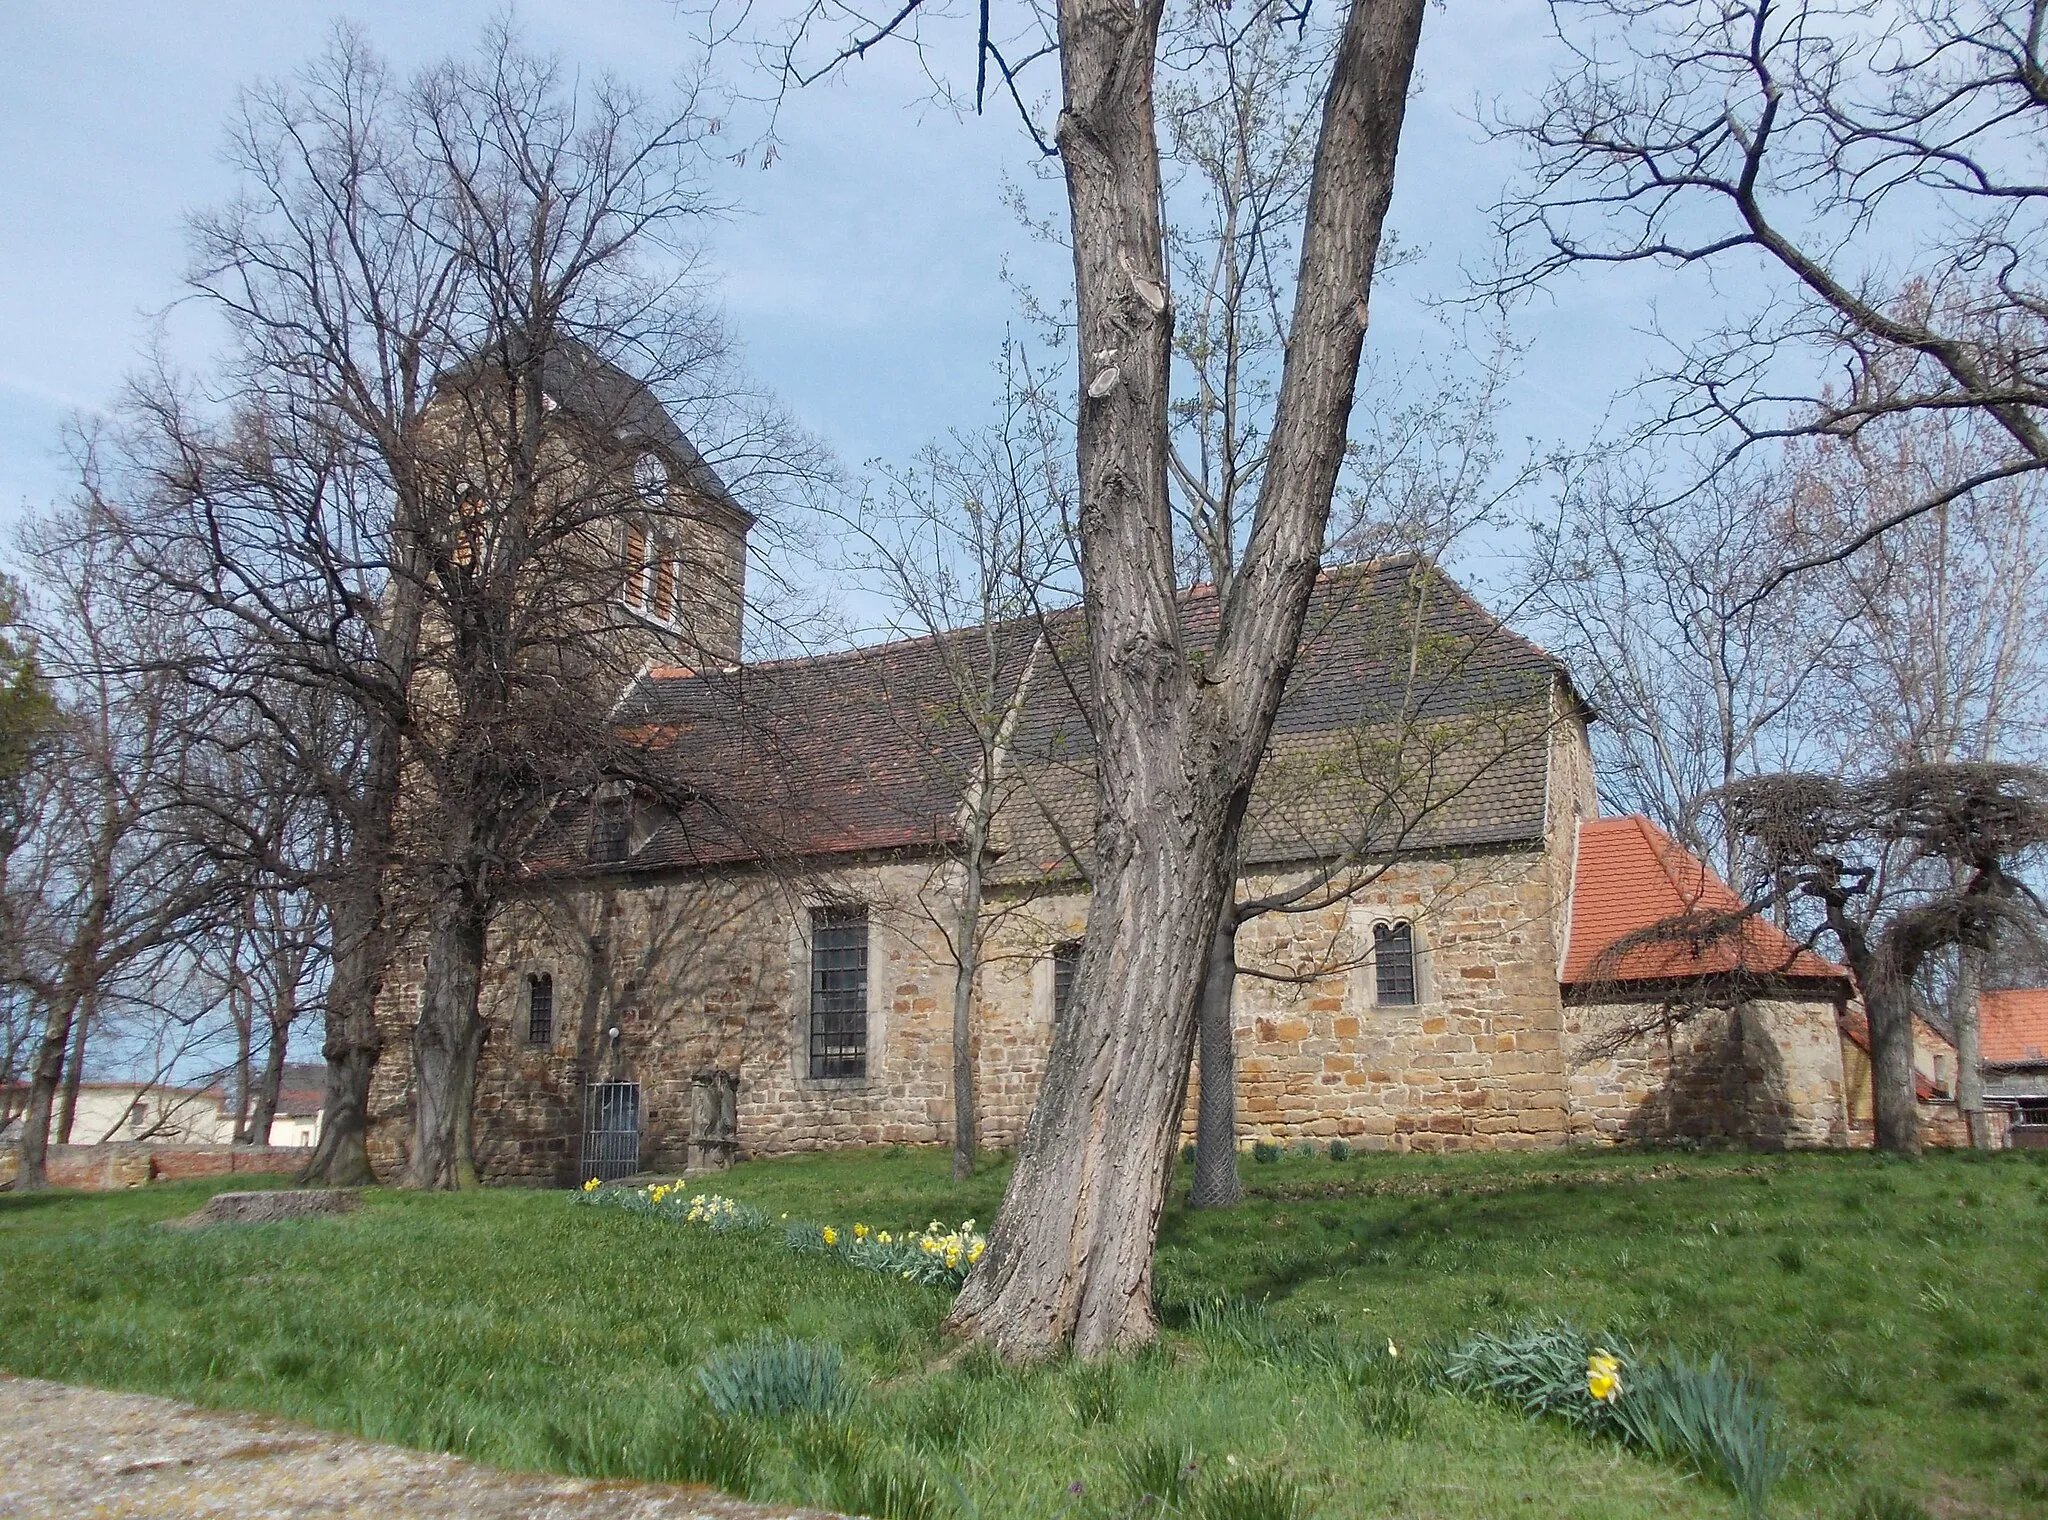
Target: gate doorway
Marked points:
611	1131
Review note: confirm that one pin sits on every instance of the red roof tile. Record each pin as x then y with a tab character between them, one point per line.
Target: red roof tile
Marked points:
1646	909
2014	1025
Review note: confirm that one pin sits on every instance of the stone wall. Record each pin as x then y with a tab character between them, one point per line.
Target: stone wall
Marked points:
1766	1072
102	1168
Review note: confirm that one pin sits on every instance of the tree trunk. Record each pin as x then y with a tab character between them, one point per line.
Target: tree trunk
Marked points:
1217	1184
263	1112
74	1069
1178	744
447	1040
1894	1106
1969	1046
966	939
352	1042
33	1171
245	1019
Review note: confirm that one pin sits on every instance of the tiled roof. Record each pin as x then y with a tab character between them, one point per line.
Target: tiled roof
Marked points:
2014	1026
1645	909
868	750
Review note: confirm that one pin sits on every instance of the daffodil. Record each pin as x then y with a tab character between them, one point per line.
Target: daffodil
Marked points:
592	1185
860	1232
831	1236
1603	1376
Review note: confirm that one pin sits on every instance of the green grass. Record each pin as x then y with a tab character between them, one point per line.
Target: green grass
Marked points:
1895	1309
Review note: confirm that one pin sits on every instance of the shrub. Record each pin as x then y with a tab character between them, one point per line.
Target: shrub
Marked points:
1340	1150
1265	1152
774	1375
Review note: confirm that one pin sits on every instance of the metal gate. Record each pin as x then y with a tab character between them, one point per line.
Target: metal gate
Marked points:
611	1131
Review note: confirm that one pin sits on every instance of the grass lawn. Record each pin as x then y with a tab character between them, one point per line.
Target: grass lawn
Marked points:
1896	1309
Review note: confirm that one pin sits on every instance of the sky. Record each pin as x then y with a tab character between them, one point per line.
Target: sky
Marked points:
862	272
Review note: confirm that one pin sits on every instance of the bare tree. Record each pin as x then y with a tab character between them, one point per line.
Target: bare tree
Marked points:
966	547
394	508
1879	161
1179	738
1700	675
1898	868
1948	664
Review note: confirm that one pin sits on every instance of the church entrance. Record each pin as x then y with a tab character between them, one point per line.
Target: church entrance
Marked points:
611	1131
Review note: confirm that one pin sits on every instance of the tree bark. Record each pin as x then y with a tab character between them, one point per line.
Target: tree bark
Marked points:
1969	1046
1217	1184
351	1042
1178	744
966	935
74	1069
1894	1106
33	1172
447	1040
263	1112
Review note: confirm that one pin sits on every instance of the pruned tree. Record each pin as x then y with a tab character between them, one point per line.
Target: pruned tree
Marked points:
1895	870
1179	738
1877	163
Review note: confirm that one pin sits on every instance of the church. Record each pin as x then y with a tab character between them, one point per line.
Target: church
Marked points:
1444	946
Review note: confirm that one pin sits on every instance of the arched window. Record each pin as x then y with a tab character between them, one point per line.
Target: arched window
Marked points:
540	1009
650	479
1393	964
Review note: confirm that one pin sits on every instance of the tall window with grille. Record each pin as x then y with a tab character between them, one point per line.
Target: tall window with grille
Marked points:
1066	965
839	992
540	1009
611	831
1393	964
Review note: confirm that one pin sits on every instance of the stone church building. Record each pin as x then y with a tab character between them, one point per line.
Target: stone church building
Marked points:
757	956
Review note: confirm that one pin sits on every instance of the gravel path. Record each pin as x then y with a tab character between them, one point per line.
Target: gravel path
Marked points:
82	1452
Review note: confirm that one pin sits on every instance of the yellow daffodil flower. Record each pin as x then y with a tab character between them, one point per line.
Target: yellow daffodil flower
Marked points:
592	1185
1603	1376
831	1236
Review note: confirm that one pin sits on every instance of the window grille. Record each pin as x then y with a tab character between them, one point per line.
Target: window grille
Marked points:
636	564
1066	965
611	833
1393	964
611	1131
540	1009
839	992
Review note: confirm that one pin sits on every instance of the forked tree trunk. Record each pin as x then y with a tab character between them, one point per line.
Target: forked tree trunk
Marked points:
1217	1184
263	1112
447	1040
32	1172
74	1068
1178	745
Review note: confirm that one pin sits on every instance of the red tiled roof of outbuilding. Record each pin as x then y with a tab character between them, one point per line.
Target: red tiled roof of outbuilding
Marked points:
2014	1025
1632	882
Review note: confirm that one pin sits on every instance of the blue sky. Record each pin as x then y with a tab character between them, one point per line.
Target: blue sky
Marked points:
862	271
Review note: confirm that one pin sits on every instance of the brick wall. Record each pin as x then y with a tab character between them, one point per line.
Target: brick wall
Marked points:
101	1168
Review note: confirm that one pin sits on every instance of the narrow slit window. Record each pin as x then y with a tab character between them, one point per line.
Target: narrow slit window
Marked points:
540	1009
839	992
636	564
1066	965
664	581
1393	964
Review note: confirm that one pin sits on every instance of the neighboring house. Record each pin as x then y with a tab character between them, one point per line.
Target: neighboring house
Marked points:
759	966
2014	1022
1689	1016
301	1096
129	1111
1934	1073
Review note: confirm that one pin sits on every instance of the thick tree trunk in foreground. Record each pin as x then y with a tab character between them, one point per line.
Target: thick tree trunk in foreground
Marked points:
447	1041
74	1070
1178	743
44	1077
1217	1184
